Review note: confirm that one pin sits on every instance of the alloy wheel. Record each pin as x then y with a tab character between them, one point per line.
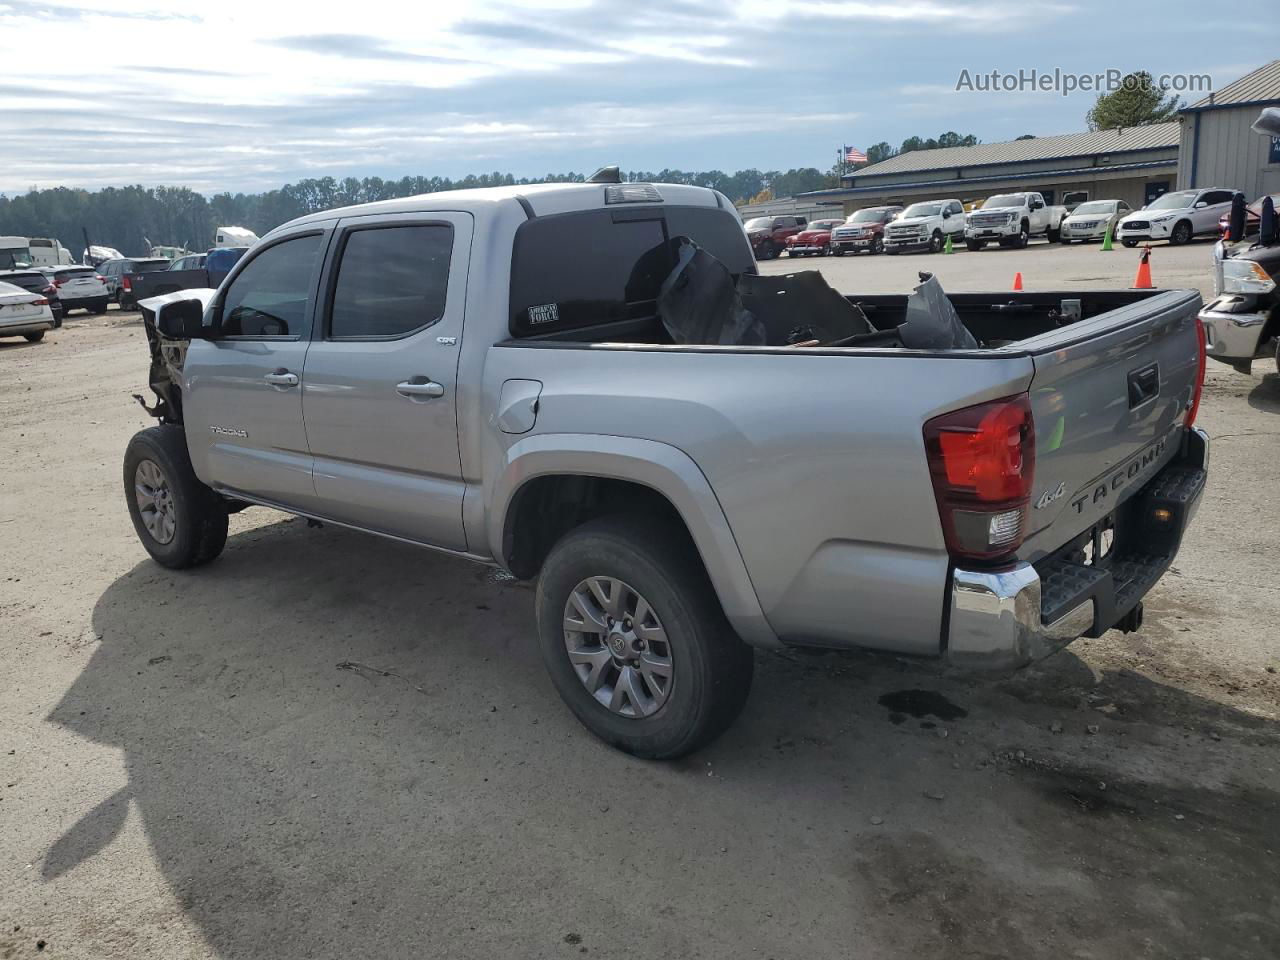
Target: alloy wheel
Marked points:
155	501
618	647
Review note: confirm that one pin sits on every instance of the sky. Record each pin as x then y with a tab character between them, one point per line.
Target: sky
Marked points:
244	96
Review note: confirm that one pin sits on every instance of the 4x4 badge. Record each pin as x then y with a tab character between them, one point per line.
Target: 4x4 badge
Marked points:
1049	496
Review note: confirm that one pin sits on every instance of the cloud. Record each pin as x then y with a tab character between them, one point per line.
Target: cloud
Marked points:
355	46
249	99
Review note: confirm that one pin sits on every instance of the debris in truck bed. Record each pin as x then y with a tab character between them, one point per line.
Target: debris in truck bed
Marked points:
932	322
699	302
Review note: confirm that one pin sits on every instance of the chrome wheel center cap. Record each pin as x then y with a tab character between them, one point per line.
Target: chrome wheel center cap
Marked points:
618	643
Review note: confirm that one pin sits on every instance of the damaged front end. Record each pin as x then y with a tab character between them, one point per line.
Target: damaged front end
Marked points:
168	351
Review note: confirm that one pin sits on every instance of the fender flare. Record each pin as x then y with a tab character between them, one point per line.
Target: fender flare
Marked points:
659	466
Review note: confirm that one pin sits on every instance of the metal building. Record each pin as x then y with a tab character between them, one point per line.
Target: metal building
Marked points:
1134	164
1219	150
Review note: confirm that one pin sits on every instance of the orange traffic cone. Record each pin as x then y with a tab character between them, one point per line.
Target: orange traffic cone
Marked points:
1017	280
1143	280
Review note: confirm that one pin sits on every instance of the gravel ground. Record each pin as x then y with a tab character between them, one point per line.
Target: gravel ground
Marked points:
187	769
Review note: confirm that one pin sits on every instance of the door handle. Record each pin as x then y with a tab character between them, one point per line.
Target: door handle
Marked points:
420	388
281	378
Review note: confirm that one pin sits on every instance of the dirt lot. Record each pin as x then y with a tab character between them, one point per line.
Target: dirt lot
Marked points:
186	769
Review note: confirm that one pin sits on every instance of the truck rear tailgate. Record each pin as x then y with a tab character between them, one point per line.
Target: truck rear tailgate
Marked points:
1109	398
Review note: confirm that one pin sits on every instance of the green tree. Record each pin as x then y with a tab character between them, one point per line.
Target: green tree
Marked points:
1137	102
880	151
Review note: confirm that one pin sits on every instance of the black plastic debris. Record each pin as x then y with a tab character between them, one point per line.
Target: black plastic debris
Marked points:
801	307
932	322
699	302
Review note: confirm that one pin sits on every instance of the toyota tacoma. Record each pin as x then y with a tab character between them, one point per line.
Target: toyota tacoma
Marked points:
486	373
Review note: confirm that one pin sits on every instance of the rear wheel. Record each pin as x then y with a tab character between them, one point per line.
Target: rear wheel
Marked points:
635	641
180	521
34	337
1181	233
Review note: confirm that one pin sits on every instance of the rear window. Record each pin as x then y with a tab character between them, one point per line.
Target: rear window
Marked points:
582	269
150	266
82	272
223	258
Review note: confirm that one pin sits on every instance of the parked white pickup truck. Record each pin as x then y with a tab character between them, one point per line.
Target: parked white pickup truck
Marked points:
925	226
1012	219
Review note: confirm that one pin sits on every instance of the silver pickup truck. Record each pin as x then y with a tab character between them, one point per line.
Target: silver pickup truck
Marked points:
485	373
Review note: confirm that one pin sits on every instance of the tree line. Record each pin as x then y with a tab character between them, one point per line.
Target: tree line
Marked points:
132	218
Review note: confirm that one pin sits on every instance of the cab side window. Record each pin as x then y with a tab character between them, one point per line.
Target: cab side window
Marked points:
391	281
1212	197
271	296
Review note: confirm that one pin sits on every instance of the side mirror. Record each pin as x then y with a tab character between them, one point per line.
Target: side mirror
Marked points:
1267	227
1235	224
1200	205
183	320
946	214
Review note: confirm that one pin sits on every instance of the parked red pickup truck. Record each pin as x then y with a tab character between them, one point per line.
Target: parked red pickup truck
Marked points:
814	240
768	235
863	232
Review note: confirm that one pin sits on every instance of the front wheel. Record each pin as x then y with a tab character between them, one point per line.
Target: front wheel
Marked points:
34	337
935	242
180	521
975	245
1181	234
1130	243
635	641
877	246
1052	235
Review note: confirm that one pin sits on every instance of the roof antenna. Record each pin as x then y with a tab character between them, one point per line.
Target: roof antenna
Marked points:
609	174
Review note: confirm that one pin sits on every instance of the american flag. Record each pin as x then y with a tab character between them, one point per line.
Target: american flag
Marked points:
854	155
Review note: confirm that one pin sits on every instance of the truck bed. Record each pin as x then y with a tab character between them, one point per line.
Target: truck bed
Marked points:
818	457
996	320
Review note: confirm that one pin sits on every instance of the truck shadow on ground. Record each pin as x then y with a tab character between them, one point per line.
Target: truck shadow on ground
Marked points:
345	747
1266	395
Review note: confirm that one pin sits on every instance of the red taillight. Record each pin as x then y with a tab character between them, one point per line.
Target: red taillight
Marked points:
100	279
1201	359
982	460
42	302
127	282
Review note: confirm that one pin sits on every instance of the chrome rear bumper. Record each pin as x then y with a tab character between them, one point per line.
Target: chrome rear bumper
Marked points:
997	617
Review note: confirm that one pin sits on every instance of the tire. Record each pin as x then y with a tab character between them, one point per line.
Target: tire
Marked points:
1130	243
1180	234
1023	238
1065	241
825	251
838	252
34	337
893	252
1052	235
975	245
197	517
709	668
877	246
769	251
935	242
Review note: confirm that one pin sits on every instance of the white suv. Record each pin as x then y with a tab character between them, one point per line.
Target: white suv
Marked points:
1177	216
925	226
78	287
